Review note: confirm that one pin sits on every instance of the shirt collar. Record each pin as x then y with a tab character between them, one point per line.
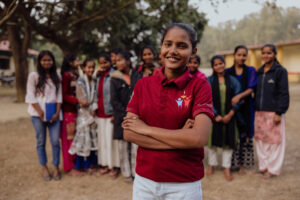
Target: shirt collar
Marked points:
181	81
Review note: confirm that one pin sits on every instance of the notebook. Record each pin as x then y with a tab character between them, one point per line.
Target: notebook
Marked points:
50	110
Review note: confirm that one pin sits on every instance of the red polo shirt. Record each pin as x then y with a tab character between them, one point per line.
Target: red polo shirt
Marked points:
168	104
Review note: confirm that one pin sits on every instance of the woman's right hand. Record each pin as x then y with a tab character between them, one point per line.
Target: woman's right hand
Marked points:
218	118
84	103
189	123
41	115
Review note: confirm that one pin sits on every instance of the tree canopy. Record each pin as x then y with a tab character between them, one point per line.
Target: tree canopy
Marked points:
271	24
92	26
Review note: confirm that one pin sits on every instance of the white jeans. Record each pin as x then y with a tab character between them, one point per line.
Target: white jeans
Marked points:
146	189
213	158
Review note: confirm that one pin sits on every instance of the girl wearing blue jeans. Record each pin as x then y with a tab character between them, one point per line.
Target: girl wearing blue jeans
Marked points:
44	98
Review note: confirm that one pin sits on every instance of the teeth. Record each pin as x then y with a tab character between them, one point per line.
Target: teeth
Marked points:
172	59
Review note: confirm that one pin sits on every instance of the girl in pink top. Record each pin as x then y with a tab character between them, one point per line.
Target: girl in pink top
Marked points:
44	98
193	65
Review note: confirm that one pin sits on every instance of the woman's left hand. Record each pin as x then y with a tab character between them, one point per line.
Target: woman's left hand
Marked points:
235	99
277	119
135	124
54	118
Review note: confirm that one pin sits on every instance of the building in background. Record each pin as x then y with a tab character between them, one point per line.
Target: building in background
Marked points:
7	66
288	54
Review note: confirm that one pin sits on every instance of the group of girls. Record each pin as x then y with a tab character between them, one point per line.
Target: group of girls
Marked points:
155	128
248	103
93	108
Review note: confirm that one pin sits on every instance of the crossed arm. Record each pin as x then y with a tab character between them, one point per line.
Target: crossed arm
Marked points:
193	135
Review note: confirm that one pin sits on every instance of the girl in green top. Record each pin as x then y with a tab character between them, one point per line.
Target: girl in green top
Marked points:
224	133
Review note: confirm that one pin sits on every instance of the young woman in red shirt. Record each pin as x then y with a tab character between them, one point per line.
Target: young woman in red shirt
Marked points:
169	158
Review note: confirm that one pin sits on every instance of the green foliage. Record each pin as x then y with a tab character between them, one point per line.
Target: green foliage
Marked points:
89	27
270	25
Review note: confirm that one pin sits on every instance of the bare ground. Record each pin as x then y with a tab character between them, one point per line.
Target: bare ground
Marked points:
20	177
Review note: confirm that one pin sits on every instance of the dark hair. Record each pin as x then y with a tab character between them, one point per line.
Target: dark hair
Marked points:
147	47
105	55
126	55
87	60
116	51
240	47
65	67
198	58
190	30
274	49
42	73
212	60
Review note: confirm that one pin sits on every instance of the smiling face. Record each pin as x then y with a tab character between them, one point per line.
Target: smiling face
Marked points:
121	63
267	55
193	64
176	49
46	62
219	66
147	56
240	56
104	64
89	68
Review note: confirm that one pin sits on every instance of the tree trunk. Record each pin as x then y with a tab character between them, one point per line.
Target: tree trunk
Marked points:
19	52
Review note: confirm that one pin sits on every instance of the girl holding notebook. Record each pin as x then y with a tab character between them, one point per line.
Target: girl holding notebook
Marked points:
44	98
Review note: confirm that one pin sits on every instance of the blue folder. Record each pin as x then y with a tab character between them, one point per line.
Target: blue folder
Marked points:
50	110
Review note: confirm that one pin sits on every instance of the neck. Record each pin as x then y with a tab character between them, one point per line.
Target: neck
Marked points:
193	72
148	65
126	71
73	69
269	65
47	73
174	73
89	77
220	75
237	66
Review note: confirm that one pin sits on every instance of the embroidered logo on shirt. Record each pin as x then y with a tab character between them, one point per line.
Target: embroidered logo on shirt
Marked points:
179	102
184	100
271	81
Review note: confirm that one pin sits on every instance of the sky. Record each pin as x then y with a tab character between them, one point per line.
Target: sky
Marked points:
235	9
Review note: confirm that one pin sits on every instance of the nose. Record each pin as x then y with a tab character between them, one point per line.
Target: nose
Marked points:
173	50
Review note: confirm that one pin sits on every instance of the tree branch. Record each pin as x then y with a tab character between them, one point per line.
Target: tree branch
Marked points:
10	11
95	16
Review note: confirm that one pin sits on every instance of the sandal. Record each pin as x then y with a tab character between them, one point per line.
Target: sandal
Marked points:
74	172
228	175
104	171
242	172
268	175
90	171
113	173
129	179
47	178
46	174
260	172
57	177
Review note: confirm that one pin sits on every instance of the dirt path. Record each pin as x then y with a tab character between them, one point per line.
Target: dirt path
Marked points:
20	173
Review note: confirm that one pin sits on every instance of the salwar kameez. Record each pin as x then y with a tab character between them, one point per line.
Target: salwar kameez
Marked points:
85	140
269	142
66	140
